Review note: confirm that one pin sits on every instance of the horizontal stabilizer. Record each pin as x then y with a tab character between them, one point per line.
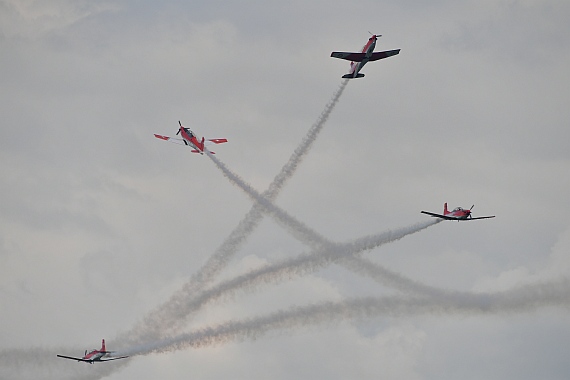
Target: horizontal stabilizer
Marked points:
161	137
218	141
170	139
351	76
198	151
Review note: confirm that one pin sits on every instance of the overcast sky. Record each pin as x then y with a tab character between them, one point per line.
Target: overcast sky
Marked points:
100	223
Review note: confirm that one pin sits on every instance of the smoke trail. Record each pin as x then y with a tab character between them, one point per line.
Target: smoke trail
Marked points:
524	298
291	166
166	316
530	297
295	227
157	320
307	236
388	278
326	252
297	266
34	360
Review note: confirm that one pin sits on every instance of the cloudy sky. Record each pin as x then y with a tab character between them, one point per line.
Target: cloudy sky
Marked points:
100	223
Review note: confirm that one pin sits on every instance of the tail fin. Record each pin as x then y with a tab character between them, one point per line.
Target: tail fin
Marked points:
103	345
445	210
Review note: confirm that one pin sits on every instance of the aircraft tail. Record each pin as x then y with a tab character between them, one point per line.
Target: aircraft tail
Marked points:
103	345
445	210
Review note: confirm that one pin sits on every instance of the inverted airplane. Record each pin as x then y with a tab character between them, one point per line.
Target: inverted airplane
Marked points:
457	213
190	139
358	60
95	355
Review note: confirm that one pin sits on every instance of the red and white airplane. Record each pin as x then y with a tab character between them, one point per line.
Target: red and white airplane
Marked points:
94	355
457	213
362	58
190	139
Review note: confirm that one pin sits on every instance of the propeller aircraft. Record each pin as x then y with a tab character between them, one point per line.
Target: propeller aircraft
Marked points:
190	139
457	213
358	60
95	355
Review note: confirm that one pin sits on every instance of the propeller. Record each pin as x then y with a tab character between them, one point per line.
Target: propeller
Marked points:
471	216
179	128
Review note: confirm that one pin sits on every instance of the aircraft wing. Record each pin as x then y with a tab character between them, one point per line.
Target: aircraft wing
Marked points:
383	54
355	57
358	57
170	139
438	215
481	217
72	358
118	357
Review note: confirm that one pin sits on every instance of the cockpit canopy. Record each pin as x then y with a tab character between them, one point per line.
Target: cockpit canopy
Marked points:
189	132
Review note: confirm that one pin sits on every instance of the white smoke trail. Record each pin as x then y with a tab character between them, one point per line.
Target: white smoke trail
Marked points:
530	297
443	302
388	278
312	238
294	226
297	266
325	253
44	360
297	228
291	166
166	317
524	298
158	320
439	300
